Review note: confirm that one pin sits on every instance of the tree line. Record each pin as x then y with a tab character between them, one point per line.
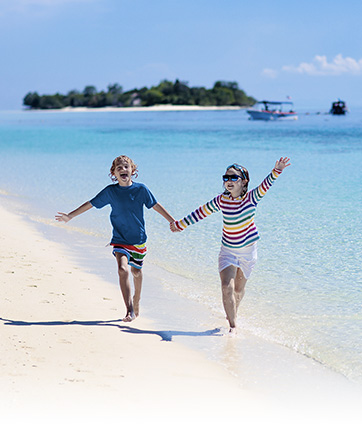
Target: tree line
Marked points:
223	93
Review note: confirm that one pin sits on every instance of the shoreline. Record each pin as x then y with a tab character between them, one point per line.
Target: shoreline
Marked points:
143	109
63	338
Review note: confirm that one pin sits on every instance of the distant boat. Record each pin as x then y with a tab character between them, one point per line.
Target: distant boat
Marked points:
268	110
338	108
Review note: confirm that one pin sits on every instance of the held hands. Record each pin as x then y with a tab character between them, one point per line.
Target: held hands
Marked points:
62	217
173	227
282	163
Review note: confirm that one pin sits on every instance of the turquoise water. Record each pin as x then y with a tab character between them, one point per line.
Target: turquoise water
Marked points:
306	290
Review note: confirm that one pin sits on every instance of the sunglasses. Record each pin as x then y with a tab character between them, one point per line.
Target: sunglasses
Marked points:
239	168
232	177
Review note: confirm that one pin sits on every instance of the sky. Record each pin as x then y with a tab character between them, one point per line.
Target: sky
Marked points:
308	50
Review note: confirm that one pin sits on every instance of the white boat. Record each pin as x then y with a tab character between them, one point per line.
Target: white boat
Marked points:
268	110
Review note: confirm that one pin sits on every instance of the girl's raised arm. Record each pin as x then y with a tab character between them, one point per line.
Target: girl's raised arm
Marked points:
258	193
282	163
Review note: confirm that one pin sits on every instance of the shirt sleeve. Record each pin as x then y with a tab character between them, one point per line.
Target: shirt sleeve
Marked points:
101	199
199	214
258	193
149	198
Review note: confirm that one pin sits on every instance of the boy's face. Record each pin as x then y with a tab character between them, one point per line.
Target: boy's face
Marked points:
123	173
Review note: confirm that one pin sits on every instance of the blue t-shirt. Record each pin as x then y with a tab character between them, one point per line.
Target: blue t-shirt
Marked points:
126	216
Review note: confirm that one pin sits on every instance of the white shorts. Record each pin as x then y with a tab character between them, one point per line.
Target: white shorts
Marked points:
243	258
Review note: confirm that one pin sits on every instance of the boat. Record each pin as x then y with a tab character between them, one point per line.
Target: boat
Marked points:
338	108
270	110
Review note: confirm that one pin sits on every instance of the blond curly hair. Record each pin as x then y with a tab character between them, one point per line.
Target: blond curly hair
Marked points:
117	161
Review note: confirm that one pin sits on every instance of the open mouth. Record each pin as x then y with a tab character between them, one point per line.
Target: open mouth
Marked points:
124	176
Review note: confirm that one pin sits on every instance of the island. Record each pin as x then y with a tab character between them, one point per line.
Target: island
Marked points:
223	93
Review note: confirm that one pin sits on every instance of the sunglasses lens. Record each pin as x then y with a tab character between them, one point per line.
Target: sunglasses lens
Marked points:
232	177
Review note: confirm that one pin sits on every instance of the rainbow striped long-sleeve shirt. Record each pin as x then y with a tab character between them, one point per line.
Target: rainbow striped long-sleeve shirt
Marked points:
239	229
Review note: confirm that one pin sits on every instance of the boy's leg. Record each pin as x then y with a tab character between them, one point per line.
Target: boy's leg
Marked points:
137	281
125	285
227	277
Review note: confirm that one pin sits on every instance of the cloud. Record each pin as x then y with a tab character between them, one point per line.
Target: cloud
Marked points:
320	67
270	73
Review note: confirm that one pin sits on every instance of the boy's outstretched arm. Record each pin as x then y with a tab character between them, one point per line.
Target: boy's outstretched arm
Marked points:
163	212
66	217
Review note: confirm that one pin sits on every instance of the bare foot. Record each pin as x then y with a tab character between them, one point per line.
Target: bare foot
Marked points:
136	306
232	331
129	317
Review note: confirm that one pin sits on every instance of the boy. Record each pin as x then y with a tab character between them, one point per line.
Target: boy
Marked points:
126	199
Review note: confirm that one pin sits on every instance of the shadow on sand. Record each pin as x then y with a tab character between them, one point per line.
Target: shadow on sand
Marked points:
165	335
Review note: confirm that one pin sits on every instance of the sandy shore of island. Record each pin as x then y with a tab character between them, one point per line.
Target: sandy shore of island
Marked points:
68	360
164	107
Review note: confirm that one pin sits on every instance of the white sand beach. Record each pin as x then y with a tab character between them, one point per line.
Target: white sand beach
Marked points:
69	362
67	355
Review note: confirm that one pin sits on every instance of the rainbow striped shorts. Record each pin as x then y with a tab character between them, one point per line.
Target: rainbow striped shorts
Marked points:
134	253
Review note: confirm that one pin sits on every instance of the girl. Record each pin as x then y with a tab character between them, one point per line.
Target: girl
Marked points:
126	199
238	252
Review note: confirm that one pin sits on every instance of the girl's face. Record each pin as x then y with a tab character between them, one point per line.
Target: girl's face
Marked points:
123	173
234	187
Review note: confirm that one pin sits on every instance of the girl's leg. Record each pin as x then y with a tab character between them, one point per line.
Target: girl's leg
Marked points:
227	277
137	280
125	285
240	282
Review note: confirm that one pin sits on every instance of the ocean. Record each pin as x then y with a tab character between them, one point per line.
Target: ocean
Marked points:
305	292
